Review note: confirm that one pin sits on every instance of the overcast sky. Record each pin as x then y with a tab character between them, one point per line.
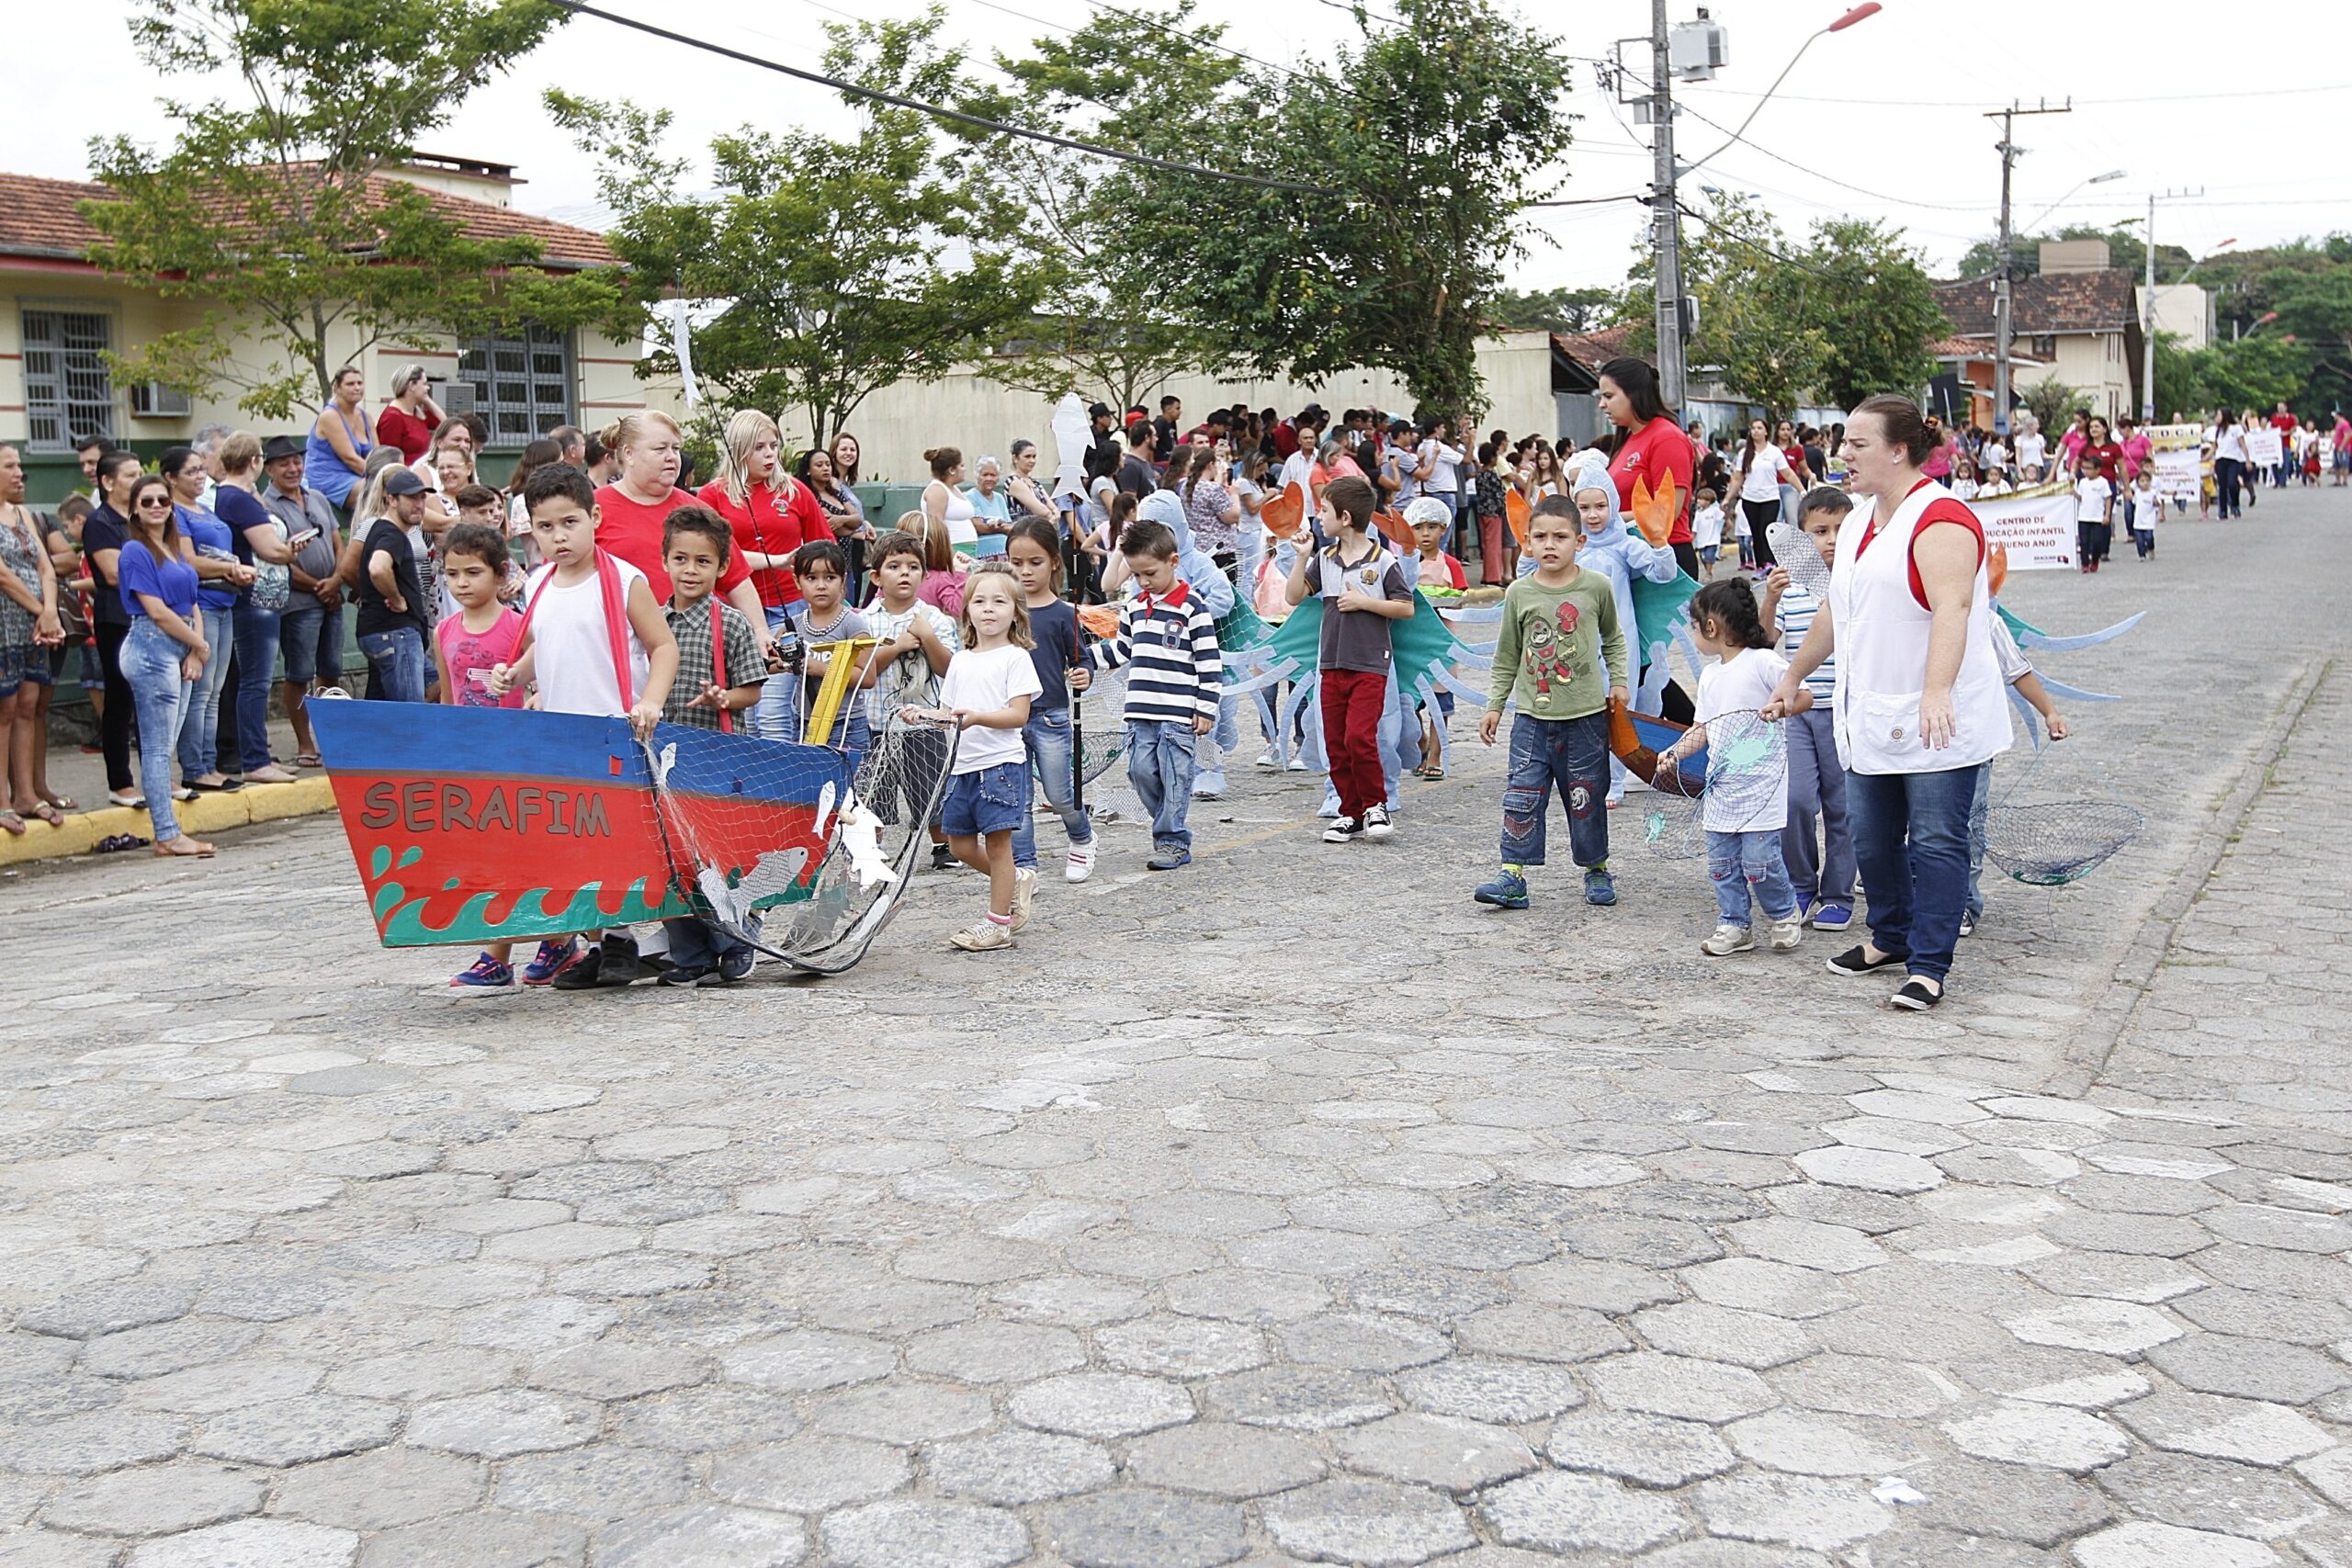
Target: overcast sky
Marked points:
1884	119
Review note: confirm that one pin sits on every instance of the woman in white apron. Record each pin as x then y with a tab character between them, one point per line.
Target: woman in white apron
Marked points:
1917	708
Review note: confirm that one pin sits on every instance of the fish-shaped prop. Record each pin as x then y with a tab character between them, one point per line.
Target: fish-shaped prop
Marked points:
1636	739
1517	511
1283	515
1654	511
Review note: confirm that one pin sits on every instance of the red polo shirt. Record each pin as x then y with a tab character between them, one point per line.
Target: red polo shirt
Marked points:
632	530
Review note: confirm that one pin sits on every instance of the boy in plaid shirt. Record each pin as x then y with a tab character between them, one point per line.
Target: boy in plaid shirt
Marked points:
719	675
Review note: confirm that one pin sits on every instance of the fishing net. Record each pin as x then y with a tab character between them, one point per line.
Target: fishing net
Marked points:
775	850
1796	550
2054	842
1100	736
1745	770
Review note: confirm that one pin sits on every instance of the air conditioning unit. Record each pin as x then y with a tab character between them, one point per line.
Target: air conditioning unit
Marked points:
151	400
454	397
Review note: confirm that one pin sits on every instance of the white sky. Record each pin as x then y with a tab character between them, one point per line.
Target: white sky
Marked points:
1893	106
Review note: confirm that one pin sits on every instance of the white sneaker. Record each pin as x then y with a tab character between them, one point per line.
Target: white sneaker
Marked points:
1728	940
1297	765
1268	759
1375	822
1082	862
986	937
1024	891
1787	934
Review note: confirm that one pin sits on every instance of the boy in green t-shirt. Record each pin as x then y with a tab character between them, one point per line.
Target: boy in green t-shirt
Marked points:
1561	657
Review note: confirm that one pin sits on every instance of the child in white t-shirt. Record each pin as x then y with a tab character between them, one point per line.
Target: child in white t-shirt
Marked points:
1707	533
2147	510
1744	821
986	694
2094	513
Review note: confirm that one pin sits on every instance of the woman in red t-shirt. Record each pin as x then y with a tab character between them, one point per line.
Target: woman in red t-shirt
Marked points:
770	512
409	420
1649	444
631	510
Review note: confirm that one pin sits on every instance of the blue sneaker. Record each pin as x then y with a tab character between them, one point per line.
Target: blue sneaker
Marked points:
1833	916
488	973
1600	887
1209	785
1168	857
735	965
552	959
1508	890
1804	906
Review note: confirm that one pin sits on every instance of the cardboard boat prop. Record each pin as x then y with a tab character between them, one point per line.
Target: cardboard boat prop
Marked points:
477	825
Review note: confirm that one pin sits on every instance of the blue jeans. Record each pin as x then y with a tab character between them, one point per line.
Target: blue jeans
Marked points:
698	944
310	635
151	663
1742	863
1161	765
1047	736
1978	807
257	634
199	730
1569	753
396	663
1911	843
1823	872
772	717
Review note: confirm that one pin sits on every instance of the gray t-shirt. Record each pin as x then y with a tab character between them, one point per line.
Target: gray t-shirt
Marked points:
1356	639
313	511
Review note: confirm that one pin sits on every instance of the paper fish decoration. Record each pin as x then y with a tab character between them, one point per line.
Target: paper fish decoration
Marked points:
1399	533
1517	511
1996	567
1282	514
1654	511
1100	620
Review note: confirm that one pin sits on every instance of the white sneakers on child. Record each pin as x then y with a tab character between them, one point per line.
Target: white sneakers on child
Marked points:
1375	822
1787	934
1082	862
986	937
1728	940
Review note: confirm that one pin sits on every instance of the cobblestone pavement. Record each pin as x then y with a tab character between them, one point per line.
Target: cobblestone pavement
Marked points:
1288	1209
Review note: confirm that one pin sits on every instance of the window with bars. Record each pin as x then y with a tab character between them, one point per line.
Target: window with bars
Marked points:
522	384
69	396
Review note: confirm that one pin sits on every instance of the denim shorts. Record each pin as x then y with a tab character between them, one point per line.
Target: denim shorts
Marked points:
27	662
991	801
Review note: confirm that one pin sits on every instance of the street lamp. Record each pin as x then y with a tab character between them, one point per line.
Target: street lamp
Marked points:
1859	13
2095	180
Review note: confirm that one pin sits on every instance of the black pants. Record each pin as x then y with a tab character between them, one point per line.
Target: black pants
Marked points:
1761	515
114	729
1687	557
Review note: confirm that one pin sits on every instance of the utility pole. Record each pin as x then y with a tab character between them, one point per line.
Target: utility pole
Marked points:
2002	327
1670	375
2148	308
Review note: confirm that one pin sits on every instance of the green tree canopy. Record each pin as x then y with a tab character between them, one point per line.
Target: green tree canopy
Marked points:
830	269
284	211
1555	310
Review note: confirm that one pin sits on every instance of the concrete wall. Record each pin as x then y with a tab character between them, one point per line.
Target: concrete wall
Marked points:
2185	309
897	424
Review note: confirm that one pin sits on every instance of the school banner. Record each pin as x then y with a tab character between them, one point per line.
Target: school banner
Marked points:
2178	455
2036	526
2263	448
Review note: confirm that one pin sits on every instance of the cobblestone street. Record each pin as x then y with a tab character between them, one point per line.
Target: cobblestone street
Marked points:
1291	1207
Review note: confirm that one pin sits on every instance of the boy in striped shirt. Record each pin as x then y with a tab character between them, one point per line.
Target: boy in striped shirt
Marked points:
1824	876
1169	636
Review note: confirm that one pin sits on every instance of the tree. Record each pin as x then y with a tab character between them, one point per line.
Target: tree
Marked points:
2126	248
285	211
1754	332
1555	310
1422	144
826	264
1866	292
2252	373
1127	81
2314	304
2051	403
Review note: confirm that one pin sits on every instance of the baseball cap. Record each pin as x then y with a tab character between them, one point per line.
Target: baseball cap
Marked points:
402	481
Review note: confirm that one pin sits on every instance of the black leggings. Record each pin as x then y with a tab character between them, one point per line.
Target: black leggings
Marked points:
1761	515
114	729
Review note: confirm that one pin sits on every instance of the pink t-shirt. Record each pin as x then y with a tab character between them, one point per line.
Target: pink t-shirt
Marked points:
470	656
944	591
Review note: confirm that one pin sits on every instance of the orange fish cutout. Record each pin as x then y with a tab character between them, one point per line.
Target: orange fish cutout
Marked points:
1399	532
1282	514
1517	510
1996	567
1100	620
1654	511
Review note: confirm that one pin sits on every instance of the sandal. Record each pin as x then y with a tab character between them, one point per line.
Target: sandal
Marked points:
49	814
11	823
62	802
1433	774
306	759
183	848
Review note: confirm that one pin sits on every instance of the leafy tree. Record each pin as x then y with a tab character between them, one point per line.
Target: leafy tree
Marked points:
283	210
2314	304
1424	141
1556	310
2051	403
1753	331
1867	294
2252	373
1143	82
2126	248
826	262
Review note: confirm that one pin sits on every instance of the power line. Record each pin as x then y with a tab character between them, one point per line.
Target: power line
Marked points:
939	111
2079	103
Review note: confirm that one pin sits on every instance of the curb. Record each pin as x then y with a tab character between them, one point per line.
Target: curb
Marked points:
2119	1001
206	814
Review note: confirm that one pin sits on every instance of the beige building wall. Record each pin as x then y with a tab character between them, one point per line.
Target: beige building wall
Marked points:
2094	364
966	410
2184	310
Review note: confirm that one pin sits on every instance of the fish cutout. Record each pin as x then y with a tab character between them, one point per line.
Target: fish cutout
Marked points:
1996	567
1399	532
1282	514
1100	620
1655	511
1517	511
